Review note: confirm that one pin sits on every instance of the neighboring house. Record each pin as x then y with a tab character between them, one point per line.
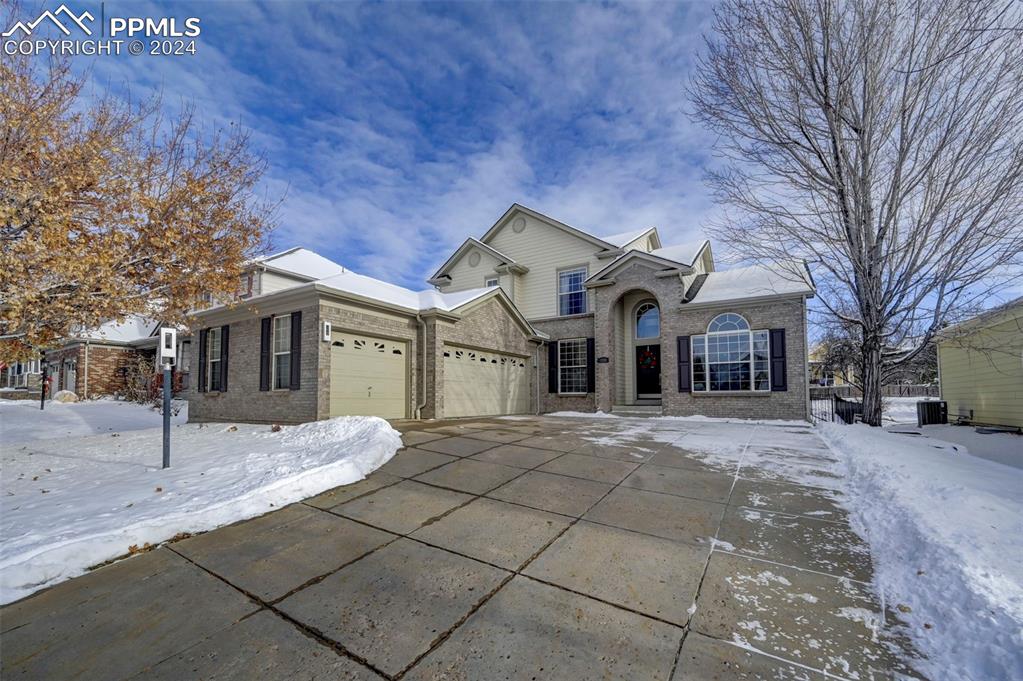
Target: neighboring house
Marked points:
535	316
95	363
822	372
312	340
20	379
980	365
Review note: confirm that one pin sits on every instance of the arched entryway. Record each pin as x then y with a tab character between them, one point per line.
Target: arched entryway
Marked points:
636	350
646	352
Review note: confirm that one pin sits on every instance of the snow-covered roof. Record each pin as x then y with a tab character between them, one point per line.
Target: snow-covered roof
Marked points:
685	253
752	282
368	287
133	328
624	237
303	262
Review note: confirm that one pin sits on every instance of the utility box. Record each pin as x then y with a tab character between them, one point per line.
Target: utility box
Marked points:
931	412
168	345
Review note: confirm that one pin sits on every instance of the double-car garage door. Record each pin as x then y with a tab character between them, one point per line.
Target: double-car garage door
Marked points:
483	383
369	376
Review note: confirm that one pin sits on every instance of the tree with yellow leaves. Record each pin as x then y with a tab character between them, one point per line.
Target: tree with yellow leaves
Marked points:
109	209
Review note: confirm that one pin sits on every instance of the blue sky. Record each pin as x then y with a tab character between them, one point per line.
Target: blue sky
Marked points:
397	130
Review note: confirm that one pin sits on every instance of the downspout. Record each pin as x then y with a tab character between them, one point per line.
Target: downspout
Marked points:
536	370
85	387
421	402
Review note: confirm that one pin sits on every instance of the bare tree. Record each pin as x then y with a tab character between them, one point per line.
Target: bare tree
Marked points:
880	141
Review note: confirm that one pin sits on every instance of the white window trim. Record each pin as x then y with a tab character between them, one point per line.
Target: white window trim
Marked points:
752	361
210	361
274	353
488	279
585	269
583	365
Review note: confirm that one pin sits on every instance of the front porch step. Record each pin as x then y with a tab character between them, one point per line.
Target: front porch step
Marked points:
637	410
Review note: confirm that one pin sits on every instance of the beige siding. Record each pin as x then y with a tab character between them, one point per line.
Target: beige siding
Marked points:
465	276
270	282
643	243
544	250
983	372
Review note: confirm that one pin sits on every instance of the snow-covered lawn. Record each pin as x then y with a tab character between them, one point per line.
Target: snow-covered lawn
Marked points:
902	409
946	533
72	502
23	420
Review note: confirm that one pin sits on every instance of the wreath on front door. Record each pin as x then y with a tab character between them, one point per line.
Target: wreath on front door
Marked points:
647	359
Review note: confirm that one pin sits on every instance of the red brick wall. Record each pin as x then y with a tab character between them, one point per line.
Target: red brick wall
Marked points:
105	377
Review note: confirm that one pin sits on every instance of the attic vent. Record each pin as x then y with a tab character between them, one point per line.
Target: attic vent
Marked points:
518	224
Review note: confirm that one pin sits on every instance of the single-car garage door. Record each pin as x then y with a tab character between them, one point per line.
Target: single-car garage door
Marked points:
481	383
368	376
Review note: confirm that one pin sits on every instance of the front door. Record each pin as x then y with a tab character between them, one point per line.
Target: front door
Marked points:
648	371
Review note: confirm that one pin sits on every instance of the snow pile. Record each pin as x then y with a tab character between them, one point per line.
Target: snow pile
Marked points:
24	421
68	505
946	532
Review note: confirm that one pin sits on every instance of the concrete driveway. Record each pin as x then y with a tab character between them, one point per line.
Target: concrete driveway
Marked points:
525	548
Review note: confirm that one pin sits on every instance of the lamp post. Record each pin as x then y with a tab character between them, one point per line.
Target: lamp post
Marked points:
43	375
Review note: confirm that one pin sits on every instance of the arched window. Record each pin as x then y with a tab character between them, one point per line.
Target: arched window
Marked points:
730	356
728	321
648	321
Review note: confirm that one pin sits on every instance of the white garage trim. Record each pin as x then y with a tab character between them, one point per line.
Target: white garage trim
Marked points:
484	382
368	376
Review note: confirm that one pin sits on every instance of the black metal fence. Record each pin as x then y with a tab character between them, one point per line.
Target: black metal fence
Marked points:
826	405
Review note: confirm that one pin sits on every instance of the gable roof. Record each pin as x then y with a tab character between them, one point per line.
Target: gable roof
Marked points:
686	253
625	238
515	207
629	256
466	246
755	281
301	262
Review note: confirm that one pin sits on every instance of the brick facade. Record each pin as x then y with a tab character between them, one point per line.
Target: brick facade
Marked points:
580	326
100	369
243	400
679	319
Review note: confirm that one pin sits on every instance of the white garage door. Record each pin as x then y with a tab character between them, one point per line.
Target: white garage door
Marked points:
368	376
480	383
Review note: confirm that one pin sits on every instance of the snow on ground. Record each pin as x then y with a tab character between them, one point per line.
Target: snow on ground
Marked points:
902	409
72	502
946	533
1004	448
24	421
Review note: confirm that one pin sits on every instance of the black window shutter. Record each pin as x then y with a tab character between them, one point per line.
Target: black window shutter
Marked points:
779	365
552	367
591	366
264	353
225	339
685	384
202	360
296	350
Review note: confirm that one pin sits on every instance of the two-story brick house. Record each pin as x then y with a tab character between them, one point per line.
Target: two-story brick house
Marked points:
534	316
634	325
